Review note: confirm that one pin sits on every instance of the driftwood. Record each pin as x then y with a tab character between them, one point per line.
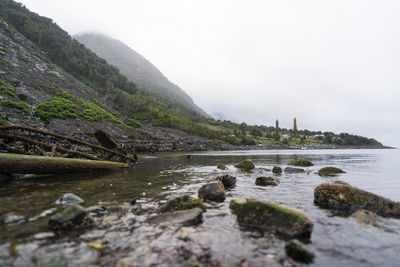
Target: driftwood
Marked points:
58	148
17	163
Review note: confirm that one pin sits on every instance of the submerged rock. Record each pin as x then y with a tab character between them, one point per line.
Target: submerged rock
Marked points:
182	203
299	252
71	218
214	191
245	165
269	216
221	166
330	171
344	197
276	170
301	163
293	170
180	217
68	199
264	181
227	180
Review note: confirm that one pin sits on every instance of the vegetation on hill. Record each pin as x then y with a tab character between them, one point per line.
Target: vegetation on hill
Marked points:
127	105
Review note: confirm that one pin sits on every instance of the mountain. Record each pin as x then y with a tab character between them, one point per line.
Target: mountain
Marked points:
137	69
51	81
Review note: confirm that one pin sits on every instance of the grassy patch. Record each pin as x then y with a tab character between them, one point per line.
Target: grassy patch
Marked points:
53	74
57	107
18	105
93	112
7	90
133	123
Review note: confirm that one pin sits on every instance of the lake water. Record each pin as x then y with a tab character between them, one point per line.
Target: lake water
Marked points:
336	240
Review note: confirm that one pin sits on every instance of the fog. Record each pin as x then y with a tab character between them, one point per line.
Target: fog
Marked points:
335	65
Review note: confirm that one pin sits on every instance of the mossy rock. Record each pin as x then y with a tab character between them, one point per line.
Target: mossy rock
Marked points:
245	165
299	252
214	191
221	166
276	170
301	163
71	218
346	198
268	216
228	181
330	171
182	203
293	170
265	181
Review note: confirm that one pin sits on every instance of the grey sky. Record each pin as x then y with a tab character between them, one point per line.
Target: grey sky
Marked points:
335	65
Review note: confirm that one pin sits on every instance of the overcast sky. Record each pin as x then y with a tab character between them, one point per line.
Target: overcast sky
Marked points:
335	65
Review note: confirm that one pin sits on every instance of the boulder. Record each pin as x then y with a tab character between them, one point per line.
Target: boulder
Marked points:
301	163
264	181
182	203
271	217
179	217
299	252
330	171
68	199
344	197
221	166
277	170
71	218
214	191
227	180
245	165
293	170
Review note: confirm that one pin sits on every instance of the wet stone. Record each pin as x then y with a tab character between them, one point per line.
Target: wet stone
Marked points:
71	218
180	217
330	171
344	197
221	166
68	199
183	202
268	216
299	252
213	191
293	170
301	163
276	170
245	165
228	181
265	181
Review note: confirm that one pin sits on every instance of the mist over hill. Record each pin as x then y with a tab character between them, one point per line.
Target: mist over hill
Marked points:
137	69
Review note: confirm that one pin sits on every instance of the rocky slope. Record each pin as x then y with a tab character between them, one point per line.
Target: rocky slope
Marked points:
36	92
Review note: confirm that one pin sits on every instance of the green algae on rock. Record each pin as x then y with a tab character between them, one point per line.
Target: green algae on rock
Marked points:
301	163
245	165
182	203
330	171
178	217
71	218
265	181
299	252
344	197
18	163
221	166
271	217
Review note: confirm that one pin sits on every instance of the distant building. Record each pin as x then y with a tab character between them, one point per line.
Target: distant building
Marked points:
285	136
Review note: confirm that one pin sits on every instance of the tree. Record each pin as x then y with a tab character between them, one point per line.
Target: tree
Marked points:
294	127
277	135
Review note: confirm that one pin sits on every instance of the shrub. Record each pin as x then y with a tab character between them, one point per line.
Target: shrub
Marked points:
133	123
57	107
18	105
93	112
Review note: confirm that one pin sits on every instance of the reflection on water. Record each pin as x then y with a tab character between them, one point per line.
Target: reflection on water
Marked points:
337	240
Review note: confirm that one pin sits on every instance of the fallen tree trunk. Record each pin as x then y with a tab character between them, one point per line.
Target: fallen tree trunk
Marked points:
27	164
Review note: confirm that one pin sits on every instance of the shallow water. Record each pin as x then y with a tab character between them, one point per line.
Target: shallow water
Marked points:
336	240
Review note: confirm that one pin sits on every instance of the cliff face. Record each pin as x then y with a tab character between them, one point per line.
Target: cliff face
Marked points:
138	70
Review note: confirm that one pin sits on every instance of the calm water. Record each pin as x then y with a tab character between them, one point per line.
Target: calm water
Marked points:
336	240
